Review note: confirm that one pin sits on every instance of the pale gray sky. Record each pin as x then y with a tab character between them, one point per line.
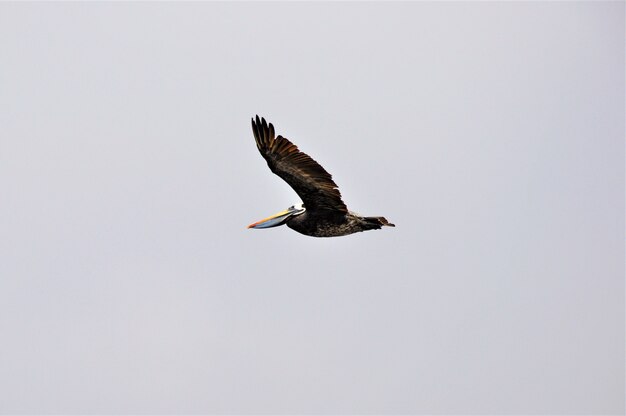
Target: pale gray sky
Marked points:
491	134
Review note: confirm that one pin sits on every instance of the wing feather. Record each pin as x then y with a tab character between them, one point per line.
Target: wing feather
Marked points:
309	179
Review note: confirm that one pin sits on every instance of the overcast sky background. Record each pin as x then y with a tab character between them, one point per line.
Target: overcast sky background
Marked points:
491	134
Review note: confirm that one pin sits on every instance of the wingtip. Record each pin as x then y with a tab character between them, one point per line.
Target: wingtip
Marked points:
259	120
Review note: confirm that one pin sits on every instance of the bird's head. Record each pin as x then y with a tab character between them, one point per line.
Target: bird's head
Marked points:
280	218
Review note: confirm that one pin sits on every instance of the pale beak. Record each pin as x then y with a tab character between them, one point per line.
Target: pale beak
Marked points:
274	220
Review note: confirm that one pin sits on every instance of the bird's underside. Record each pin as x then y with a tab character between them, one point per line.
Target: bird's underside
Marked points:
350	223
323	212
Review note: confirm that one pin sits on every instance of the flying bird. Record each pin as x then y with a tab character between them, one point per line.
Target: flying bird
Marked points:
322	212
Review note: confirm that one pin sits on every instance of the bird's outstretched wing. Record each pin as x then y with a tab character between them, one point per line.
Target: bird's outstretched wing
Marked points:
310	181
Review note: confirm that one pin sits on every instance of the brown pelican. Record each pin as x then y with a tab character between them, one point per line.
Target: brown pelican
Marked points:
323	213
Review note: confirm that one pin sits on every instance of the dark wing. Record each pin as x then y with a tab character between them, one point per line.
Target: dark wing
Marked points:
310	181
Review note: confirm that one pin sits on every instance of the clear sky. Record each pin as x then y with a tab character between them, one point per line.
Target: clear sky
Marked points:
491	134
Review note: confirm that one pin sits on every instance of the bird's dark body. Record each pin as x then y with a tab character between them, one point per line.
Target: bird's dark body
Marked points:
327	226
323	214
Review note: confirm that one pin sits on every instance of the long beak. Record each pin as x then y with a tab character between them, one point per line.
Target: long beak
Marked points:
273	221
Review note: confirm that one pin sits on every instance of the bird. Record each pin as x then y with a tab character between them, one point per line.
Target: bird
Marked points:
322	212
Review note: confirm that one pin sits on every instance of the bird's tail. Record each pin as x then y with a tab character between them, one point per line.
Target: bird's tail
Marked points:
378	222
